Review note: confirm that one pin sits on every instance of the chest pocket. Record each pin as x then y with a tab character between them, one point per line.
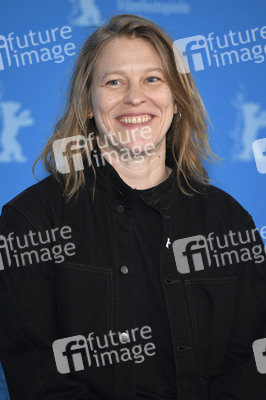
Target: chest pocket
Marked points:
211	307
84	298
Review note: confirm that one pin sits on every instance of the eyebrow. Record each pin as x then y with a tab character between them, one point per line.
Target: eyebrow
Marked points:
121	72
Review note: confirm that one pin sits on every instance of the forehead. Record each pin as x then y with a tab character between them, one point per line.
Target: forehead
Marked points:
124	52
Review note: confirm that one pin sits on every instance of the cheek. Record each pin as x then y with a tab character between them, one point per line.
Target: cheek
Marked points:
164	100
167	105
104	104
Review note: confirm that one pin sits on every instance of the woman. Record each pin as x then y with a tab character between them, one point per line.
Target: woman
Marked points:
124	275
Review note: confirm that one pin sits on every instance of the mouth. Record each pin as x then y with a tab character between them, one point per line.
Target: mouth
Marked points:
136	119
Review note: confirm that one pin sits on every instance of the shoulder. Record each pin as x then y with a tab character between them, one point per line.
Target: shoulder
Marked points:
220	198
217	205
37	201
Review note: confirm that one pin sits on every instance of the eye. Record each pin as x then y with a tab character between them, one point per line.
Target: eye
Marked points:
113	82
152	79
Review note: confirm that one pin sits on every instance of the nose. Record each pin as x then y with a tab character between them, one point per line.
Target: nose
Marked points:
134	95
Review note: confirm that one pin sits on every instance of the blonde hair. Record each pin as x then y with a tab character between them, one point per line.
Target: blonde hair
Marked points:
187	136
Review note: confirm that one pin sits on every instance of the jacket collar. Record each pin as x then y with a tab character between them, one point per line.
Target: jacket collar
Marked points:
109	181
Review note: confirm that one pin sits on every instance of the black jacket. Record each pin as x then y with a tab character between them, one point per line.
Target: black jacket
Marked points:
216	303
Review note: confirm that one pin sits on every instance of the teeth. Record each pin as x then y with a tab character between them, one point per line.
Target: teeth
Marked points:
135	120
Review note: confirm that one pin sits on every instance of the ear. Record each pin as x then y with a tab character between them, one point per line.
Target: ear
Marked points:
90	114
175	108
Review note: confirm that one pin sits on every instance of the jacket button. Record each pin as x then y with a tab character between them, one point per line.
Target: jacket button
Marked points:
124	269
124	337
120	209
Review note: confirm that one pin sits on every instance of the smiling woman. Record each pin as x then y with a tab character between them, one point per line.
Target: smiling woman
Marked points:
127	76
138	96
128	186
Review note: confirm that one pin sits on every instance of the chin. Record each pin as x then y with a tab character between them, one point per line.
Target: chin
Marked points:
138	147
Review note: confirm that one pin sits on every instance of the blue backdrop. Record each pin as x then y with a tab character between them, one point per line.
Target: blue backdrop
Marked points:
224	44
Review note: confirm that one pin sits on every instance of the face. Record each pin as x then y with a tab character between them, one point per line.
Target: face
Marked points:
131	99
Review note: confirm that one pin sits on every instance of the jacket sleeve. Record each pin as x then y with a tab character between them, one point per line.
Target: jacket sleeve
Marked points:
240	379
28	322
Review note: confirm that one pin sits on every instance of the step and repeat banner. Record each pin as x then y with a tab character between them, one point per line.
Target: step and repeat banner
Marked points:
223	43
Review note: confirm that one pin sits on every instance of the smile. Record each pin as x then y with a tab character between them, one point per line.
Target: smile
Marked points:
135	120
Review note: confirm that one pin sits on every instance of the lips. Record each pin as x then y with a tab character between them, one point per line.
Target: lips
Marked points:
136	119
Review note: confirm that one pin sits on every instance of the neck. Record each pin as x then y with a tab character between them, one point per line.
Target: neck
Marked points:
141	172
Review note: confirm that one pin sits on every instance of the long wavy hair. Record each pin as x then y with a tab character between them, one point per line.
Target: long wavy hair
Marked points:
187	136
